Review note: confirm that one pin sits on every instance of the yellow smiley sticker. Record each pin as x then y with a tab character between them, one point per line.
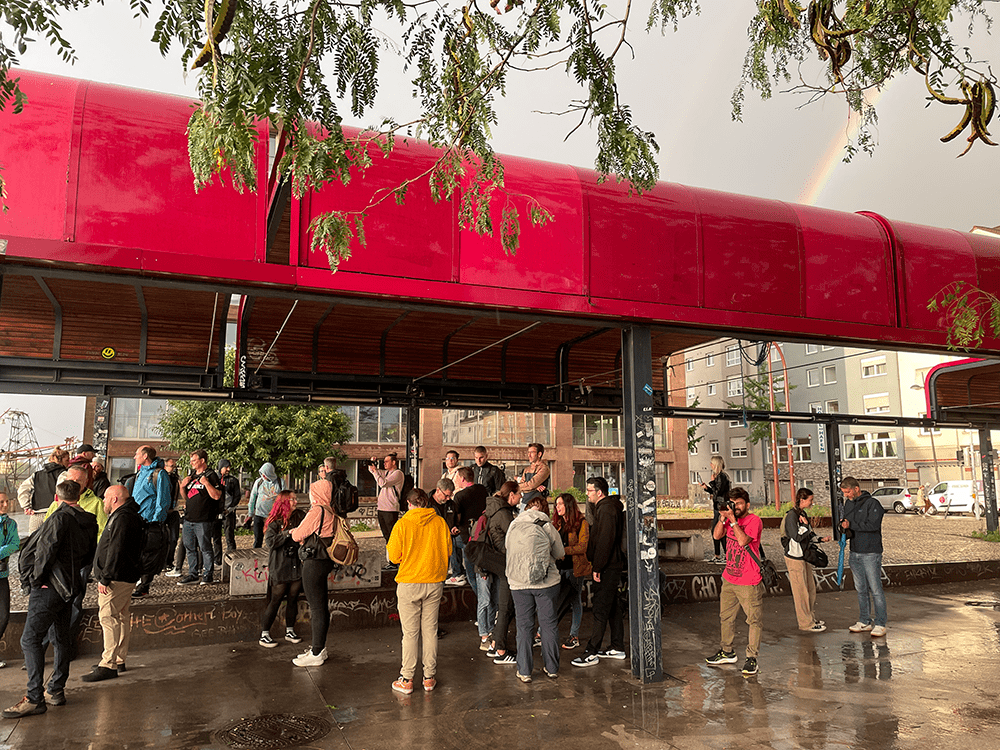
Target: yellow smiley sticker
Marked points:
108	352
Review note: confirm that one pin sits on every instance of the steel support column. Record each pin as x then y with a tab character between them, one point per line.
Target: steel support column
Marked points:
989	483
833	460
411	462
645	623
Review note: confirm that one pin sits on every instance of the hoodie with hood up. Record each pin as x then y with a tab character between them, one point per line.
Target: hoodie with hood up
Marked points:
420	544
265	489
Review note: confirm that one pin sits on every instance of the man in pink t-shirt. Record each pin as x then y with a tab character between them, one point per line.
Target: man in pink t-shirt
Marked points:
741	580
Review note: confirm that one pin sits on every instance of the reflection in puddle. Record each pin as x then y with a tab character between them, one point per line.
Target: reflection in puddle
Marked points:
867	660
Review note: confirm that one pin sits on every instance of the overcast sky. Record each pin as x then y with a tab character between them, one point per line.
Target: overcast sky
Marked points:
680	86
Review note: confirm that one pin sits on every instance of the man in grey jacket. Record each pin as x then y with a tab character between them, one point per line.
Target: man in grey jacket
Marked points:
863	526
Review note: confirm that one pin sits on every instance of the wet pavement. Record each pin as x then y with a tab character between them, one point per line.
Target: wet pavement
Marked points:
933	682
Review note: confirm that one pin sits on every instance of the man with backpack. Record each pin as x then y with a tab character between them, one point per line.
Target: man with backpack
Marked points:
604	550
390	489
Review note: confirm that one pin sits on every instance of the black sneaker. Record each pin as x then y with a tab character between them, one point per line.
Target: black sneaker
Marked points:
722	657
750	666
188	579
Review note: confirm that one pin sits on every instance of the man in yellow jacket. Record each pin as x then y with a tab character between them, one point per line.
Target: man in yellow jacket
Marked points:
420	544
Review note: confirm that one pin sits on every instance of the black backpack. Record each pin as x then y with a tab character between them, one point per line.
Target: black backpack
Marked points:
407	486
345	494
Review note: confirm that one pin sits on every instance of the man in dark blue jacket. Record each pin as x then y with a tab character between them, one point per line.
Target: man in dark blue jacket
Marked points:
50	565
117	566
863	526
604	550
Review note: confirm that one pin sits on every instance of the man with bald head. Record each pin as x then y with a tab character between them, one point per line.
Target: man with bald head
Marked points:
117	566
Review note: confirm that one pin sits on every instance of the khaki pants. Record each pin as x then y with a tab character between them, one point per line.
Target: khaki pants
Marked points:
35	521
113	612
751	599
803	583
418	605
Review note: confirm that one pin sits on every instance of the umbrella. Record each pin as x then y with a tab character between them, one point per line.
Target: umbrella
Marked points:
840	560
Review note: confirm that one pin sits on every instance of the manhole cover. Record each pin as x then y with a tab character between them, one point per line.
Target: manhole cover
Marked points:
273	731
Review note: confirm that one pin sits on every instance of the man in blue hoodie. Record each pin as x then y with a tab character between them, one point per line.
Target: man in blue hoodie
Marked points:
262	495
150	488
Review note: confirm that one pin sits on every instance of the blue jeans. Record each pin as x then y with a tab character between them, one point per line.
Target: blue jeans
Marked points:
867	570
198	535
576	584
486	607
526	603
46	609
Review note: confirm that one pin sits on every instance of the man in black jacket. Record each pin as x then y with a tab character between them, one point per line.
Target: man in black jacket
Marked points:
485	473
862	524
604	550
117	566
50	567
231	496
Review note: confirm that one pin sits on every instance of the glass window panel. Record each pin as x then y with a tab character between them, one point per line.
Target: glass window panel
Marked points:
367	424
390	427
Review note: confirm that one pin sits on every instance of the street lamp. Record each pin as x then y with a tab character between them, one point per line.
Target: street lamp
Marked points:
937	475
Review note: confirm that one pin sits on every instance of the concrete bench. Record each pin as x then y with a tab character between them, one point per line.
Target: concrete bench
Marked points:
678	545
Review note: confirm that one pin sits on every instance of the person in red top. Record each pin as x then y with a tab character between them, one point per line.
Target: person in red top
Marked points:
741	579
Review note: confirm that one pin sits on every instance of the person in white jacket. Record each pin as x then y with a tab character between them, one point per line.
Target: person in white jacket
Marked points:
533	546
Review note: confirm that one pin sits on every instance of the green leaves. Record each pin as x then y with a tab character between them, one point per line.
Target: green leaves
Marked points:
969	314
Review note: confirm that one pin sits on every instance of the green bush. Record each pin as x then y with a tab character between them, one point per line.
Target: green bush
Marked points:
360	526
989	536
580	495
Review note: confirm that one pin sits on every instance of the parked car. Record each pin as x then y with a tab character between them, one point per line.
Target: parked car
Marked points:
956	496
896	499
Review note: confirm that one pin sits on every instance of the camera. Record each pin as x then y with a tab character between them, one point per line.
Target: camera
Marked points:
366	462
722	504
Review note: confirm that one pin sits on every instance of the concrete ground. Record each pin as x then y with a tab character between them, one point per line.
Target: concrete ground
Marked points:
932	682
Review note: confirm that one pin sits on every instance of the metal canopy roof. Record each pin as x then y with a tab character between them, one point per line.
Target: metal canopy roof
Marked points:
80	332
965	391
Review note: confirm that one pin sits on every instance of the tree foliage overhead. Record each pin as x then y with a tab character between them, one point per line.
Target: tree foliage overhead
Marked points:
318	61
295	439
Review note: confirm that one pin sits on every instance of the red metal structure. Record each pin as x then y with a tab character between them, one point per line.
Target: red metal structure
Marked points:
108	247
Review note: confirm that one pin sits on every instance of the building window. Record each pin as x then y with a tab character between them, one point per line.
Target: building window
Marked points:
741	476
710	359
661	433
691	396
873	367
693	449
374	424
775	353
801	451
713	447
137	418
811	348
812	377
816	407
711	389
662	477
597	430
876	403
713	421
826	348
738	448
613	472
734	387
477	427
832	407
689	364
870	445
735	423
829	375
694	477
119	468
732	356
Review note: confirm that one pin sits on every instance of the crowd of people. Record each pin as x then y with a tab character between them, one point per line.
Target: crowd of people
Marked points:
525	560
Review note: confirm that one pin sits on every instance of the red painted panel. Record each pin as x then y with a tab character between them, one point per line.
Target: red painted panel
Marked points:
752	254
34	154
136	188
415	240
549	258
643	248
930	259
849	267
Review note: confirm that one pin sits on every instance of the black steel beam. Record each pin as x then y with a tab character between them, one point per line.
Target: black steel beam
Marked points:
989	481
645	615
412	458
836	474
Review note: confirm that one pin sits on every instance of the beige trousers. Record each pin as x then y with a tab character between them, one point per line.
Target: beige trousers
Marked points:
418	605
803	583
113	613
751	599
35	521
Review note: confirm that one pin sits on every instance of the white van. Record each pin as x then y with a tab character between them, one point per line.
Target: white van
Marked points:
957	496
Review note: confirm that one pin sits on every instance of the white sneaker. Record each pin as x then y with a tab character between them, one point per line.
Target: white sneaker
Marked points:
611	654
878	631
456	581
173	573
308	659
860	627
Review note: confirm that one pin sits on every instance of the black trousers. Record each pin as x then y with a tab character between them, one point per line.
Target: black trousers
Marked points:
607	611
153	554
287	592
314	574
505	608
229	523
